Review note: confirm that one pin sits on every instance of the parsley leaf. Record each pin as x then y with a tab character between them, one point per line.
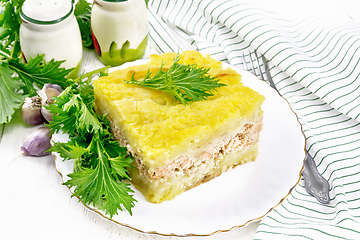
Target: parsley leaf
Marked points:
185	82
100	168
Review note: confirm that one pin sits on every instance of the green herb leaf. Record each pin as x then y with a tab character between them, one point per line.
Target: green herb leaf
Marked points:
82	13
69	150
185	82
98	187
10	99
63	116
120	164
9	25
87	121
39	72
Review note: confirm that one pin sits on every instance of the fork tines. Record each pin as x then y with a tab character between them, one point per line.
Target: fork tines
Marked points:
253	68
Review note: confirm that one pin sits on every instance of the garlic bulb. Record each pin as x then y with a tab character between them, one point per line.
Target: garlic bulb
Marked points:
31	111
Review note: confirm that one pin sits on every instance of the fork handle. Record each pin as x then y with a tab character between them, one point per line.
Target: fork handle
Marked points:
315	183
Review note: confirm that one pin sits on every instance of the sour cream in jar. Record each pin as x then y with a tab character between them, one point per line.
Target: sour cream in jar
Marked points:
120	30
49	27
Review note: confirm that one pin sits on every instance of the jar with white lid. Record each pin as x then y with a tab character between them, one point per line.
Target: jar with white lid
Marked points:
49	27
120	30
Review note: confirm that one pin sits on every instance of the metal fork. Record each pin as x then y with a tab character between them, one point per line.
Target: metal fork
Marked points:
315	183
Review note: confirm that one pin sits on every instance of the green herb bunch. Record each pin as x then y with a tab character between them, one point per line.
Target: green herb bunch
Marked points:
100	168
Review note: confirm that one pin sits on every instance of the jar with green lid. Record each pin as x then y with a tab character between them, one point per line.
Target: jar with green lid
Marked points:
120	30
49	27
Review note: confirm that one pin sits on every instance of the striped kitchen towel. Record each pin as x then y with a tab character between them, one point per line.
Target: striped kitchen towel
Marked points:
315	64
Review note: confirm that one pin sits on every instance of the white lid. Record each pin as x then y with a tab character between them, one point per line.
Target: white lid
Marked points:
46	11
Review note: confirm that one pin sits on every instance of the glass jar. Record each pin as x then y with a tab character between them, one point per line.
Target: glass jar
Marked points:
49	27
120	30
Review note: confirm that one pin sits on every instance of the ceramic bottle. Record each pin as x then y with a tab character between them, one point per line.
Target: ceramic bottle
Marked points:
120	30
49	27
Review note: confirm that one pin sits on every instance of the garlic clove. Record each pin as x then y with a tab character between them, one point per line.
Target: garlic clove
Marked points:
46	114
37	142
31	111
43	92
50	93
55	86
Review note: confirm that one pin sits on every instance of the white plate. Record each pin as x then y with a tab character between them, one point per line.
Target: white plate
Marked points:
236	198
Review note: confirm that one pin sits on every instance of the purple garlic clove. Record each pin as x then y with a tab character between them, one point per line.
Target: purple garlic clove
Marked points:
31	111
37	142
50	93
49	85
